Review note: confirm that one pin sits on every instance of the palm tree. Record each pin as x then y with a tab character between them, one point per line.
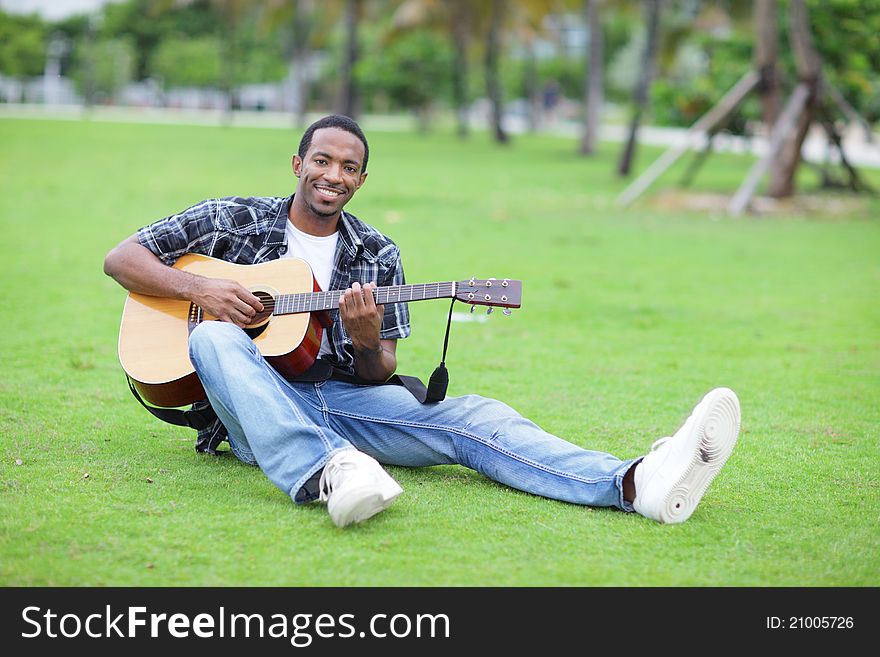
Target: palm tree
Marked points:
646	77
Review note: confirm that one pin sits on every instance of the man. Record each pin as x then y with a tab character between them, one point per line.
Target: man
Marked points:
324	440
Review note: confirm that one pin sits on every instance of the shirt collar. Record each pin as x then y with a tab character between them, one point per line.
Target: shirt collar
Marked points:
348	236
279	224
349	239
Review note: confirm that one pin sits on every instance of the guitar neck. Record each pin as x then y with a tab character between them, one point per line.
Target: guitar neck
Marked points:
307	302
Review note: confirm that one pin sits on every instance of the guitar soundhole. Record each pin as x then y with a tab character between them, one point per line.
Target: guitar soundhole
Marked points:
261	319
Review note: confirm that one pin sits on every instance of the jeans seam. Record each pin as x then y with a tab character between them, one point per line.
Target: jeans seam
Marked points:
471	436
299	416
323	407
317	385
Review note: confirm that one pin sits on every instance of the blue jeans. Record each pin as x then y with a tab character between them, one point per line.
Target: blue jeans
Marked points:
292	429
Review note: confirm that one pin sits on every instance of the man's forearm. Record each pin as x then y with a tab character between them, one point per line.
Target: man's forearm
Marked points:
375	364
137	269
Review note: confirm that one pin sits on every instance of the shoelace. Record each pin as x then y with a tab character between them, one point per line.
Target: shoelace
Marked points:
329	478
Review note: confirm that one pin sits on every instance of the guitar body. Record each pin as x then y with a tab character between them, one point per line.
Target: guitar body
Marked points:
154	334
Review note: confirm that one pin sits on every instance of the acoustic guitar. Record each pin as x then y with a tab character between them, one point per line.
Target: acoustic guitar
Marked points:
154	335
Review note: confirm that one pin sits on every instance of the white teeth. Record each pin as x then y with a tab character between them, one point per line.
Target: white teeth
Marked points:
329	192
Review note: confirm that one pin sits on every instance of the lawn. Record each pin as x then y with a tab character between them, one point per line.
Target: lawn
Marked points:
628	318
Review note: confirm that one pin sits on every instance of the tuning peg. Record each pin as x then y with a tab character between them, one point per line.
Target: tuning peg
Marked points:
507	312
489	310
473	308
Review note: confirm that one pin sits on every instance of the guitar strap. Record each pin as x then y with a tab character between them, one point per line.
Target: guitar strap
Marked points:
321	370
194	418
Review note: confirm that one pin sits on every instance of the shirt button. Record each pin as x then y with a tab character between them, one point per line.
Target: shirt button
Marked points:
282	250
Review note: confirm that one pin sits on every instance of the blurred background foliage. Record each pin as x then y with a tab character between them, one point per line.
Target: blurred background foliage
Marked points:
406	58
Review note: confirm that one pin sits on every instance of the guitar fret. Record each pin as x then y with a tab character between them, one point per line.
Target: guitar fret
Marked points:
302	302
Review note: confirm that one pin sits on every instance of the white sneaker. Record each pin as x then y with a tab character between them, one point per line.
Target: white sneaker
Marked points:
355	487
672	478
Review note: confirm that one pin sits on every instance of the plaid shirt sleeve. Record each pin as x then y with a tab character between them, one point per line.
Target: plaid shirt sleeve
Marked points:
395	322
192	231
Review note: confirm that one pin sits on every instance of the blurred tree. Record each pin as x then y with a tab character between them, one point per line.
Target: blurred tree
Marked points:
648	69
461	21
292	26
457	19
187	62
809	70
111	67
766	59
594	91
232	23
526	23
148	22
231	15
301	25
413	70
349	97
23	43
846	37
492	60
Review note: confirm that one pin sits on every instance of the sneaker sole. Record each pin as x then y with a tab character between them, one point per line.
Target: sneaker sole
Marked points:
713	441
364	508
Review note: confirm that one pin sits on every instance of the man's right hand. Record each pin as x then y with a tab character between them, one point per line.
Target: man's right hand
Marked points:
226	300
138	269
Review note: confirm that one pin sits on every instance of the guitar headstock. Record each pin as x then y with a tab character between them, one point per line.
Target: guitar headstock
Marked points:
504	292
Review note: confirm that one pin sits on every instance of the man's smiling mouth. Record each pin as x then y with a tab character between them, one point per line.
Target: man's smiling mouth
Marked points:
328	192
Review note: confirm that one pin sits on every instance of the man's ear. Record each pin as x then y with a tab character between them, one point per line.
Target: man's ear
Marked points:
362	180
296	162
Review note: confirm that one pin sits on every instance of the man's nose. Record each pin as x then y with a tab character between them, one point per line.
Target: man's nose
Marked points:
334	173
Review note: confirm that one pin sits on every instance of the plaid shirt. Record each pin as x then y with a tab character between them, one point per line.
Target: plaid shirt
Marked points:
252	230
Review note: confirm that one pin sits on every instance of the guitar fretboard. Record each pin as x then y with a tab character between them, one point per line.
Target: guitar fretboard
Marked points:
307	302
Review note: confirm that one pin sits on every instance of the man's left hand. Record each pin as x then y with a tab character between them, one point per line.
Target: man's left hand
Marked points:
361	316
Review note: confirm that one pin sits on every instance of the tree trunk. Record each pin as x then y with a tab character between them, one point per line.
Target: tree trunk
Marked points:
794	108
766	57
808	65
299	60
228	58
90	82
459	30
533	92
708	123
349	103
640	99
493	82
593	85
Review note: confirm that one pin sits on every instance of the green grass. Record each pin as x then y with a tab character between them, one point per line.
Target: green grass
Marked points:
628	318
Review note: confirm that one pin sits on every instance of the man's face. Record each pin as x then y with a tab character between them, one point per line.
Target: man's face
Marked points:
330	172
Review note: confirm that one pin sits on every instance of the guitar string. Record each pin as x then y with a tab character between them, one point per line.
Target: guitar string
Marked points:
303	301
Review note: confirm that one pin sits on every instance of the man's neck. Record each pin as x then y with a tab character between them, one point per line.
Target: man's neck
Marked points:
309	222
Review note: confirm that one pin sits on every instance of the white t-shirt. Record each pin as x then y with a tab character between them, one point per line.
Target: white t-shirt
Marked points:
320	253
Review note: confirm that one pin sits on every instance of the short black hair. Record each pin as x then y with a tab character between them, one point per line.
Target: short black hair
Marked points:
335	121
